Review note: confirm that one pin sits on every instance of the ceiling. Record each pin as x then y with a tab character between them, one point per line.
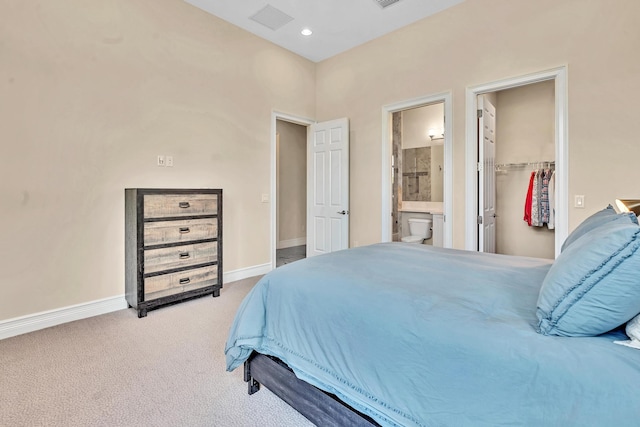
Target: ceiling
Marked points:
337	25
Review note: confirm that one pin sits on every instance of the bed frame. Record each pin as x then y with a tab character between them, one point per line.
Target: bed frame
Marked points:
318	406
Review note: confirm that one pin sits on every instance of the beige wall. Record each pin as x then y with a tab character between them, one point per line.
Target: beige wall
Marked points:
292	183
416	123
91	92
598	41
525	131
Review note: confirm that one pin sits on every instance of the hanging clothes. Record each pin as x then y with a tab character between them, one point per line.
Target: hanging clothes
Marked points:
551	224
535	200
544	196
539	207
529	200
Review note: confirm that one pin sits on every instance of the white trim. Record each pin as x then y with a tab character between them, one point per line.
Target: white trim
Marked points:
559	75
275	115
283	244
46	319
245	273
387	110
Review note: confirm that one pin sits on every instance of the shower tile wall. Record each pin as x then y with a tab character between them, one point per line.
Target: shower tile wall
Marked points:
416	174
397	167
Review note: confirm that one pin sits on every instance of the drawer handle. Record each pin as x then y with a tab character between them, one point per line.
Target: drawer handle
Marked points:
184	281
184	205
184	255
184	230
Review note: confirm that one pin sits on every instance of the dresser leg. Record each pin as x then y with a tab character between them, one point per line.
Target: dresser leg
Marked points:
216	293
142	313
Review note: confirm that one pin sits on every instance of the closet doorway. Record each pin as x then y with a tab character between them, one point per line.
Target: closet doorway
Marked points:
535	140
523	142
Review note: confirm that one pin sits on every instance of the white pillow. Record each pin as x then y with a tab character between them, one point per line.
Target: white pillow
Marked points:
633	331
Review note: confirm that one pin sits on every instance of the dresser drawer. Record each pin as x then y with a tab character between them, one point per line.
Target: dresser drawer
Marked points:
179	256
183	281
184	230
176	205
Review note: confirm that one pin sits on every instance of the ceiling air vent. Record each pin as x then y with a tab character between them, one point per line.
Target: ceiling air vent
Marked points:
385	3
271	17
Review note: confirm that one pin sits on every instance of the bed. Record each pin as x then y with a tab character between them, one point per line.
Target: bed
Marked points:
398	334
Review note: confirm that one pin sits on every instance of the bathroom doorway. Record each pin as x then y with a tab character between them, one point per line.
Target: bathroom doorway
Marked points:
417	159
417	166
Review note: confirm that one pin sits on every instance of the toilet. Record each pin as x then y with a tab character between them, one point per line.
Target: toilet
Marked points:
420	229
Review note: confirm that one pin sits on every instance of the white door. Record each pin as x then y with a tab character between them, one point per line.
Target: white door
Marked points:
328	187
486	176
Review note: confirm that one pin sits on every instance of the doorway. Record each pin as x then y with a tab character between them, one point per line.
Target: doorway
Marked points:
524	154
327	186
558	76
291	187
388	166
288	137
417	170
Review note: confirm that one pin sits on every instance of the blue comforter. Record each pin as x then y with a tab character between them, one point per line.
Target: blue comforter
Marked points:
419	336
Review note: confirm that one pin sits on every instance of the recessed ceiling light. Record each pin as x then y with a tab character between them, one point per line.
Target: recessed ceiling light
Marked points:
306	32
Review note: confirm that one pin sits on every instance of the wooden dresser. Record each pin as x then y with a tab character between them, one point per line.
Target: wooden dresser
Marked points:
173	245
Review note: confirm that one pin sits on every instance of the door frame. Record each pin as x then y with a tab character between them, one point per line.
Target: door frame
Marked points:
561	114
299	120
387	200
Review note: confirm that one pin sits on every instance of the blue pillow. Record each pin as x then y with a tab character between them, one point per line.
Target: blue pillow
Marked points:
594	285
604	216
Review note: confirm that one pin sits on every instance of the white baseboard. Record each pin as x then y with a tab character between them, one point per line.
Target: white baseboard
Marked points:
46	319
33	322
291	243
244	273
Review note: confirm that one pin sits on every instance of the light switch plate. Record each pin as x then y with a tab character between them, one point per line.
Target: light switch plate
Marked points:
579	201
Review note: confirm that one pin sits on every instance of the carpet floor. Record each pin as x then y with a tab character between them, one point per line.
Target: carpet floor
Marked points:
167	369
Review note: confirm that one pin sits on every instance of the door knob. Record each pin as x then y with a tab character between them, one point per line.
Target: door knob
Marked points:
343	212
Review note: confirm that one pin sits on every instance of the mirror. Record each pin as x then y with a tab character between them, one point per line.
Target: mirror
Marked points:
422	154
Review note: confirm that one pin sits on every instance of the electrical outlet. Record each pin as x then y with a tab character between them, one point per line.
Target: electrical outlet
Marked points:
169	161
161	160
265	198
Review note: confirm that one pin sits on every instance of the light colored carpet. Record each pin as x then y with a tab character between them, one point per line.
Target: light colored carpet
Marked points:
166	369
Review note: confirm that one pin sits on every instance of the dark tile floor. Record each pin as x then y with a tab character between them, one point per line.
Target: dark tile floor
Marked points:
287	255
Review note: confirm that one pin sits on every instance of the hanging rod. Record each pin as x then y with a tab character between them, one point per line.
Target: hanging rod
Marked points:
522	165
